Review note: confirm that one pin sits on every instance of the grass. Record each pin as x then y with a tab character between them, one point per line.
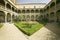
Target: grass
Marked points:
1	25
29	28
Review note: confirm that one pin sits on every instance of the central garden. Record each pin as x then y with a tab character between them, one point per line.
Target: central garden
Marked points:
29	28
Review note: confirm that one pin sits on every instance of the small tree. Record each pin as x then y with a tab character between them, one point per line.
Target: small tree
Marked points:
18	18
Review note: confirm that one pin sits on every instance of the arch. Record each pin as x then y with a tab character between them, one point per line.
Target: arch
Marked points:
13	18
36	11
8	6
2	16
32	11
52	17
58	15
47	18
41	11
28	18
52	4
36	17
23	11
13	9
8	17
24	18
41	17
58	11
52	14
27	11
2	2
32	17
19	11
48	8
57	1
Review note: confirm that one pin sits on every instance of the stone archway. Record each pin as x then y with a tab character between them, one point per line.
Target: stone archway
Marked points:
57	1
8	6
32	18
2	16
36	11
32	11
13	17
52	4
47	17
2	2
36	17
28	18
52	17
58	15
8	17
24	19
41	18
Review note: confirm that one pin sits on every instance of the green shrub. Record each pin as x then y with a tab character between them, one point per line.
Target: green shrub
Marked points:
1	25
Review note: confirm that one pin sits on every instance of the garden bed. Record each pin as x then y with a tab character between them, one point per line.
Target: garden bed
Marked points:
29	28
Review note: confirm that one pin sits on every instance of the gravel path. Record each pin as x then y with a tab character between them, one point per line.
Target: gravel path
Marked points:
48	32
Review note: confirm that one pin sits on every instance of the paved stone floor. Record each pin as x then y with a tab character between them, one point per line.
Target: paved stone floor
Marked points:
48	32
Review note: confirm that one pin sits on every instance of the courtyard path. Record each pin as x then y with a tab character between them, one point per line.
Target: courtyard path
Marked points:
48	32
10	32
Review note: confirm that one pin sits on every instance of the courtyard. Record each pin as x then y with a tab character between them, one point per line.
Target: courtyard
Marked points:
29	20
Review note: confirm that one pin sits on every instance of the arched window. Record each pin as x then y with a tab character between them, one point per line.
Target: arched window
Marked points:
2	2
32	17
52	14
57	1
48	8
41	11
27	11
19	11
8	17
52	4
2	16
23	17
58	15
36	11
32	11
8	6
13	17
13	9
23	11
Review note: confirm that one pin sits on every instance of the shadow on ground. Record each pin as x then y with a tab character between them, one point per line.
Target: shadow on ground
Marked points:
53	27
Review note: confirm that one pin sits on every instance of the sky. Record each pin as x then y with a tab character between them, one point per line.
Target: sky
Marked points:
32	1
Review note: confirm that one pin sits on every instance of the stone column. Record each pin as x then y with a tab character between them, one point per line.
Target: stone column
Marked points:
55	12
11	17
49	13
30	15
5	5
5	17
34	15
11	8
21	15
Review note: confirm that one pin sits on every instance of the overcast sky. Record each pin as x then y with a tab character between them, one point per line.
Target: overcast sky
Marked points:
33	1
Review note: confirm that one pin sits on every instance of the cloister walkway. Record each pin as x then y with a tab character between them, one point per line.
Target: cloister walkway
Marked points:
48	32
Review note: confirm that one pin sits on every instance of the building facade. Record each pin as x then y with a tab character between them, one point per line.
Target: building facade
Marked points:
52	11
34	12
